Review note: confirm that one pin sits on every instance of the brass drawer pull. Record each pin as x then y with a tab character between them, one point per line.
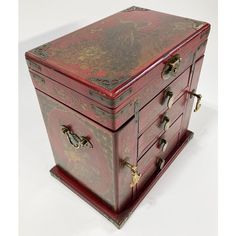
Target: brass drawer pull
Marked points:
163	144
75	140
165	123
160	163
171	68
199	98
168	98
135	174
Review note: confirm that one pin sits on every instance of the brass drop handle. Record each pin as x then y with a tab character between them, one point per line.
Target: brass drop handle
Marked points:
76	141
160	163
134	172
168	98
199	98
163	144
171	68
165	122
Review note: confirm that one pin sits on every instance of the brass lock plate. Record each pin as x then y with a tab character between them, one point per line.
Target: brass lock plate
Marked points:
171	68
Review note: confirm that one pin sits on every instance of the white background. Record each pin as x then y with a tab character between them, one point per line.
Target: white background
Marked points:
183	203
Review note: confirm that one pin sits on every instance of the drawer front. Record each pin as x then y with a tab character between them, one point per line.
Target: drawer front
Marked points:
166	119
163	157
148	164
156	161
160	103
91	162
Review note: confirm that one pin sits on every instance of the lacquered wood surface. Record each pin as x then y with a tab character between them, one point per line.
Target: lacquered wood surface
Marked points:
96	106
118	105
156	128
98	168
185	49
93	167
111	52
156	106
118	218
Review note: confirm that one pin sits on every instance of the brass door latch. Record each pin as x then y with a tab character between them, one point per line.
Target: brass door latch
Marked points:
75	140
134	172
199	98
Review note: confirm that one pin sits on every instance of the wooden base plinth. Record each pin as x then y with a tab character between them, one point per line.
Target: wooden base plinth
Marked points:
117	218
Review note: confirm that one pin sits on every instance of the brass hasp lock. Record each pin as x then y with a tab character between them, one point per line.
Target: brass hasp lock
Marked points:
171	68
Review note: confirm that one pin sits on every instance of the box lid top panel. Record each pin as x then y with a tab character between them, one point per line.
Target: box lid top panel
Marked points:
109	55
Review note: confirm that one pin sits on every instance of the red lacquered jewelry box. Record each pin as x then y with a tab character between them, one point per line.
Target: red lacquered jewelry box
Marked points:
116	97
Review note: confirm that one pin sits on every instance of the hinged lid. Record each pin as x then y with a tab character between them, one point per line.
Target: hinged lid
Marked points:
108	55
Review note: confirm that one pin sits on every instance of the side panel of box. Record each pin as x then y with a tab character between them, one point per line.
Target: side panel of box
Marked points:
92	165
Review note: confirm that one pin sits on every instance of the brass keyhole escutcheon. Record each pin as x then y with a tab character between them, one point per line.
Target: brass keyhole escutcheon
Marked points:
168	98
76	141
171	68
199	98
162	144
165	122
134	172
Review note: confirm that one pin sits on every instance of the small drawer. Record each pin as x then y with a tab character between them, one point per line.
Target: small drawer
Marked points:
163	101
150	162
171	132
162	124
162	157
147	166
157	160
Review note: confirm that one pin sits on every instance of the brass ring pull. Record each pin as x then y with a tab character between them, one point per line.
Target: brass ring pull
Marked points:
199	98
168	98
135	174
171	68
76	141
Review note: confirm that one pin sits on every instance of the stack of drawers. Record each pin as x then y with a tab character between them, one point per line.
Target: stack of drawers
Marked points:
116	123
160	123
